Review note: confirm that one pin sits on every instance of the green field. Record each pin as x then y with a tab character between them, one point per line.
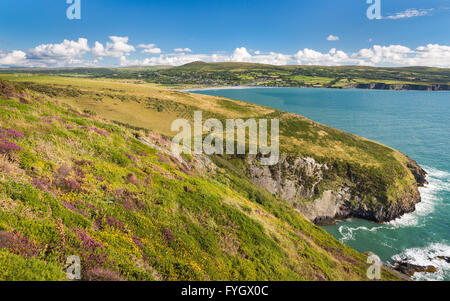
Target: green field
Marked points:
232	74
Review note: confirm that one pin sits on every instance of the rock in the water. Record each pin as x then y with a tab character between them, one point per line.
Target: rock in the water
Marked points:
446	258
410	269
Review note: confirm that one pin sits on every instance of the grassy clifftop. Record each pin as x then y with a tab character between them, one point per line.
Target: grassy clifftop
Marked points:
380	177
72	183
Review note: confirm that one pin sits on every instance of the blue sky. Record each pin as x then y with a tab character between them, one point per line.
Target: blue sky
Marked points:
268	31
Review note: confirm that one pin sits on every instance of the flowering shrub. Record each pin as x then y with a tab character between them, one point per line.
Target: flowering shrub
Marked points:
90	252
70	179
131	157
88	243
129	200
115	223
11	133
110	221
137	241
41	184
20	245
7	146
70	206
100	132
102	274
83	162
168	235
6	135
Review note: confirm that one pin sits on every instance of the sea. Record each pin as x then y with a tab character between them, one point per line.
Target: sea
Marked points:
415	122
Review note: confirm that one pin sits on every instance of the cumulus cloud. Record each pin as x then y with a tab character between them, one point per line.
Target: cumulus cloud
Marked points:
65	50
241	55
434	55
150	48
176	59
99	50
14	58
76	53
182	50
333	57
392	55
410	13
332	38
117	48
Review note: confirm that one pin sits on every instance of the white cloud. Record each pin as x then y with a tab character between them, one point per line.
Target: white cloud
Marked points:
99	50
182	50
380	55
431	55
14	58
410	13
175	59
271	58
150	48
241	55
332	38
76	53
332	58
117	48
434	55
65	50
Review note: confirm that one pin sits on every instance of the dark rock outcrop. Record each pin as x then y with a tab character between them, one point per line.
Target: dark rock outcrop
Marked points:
419	174
445	258
410	269
385	213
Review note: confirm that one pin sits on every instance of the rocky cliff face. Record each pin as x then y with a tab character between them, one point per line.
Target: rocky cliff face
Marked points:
295	179
414	87
291	179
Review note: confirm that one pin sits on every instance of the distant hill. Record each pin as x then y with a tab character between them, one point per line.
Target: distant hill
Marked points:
233	74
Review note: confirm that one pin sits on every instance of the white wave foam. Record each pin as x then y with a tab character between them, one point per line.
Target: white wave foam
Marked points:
433	172
428	256
347	232
439	181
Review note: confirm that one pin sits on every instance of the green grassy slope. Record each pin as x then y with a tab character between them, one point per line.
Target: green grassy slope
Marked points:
75	184
380	172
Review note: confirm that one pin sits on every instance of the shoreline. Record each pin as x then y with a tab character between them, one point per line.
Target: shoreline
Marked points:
303	87
223	88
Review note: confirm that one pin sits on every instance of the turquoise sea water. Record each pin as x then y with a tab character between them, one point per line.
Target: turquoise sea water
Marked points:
416	123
